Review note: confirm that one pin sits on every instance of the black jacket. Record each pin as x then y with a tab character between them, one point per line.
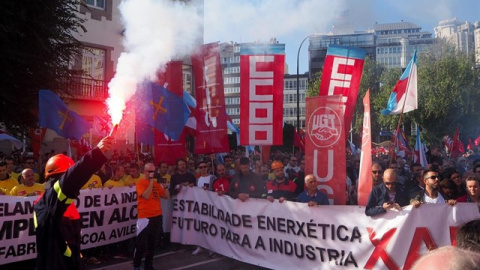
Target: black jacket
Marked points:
379	196
58	229
251	184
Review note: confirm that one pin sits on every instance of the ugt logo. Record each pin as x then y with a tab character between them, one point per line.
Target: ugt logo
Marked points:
324	127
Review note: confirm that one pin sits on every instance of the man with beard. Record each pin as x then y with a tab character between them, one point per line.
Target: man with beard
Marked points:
431	193
377	174
182	178
222	183
280	188
245	183
473	191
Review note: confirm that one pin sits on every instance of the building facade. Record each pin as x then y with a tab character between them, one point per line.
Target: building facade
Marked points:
396	43
459	34
103	45
391	44
318	45
290	98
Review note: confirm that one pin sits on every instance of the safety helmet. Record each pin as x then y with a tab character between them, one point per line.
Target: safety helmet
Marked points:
277	165
58	164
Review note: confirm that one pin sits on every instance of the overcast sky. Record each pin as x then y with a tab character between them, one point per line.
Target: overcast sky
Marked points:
290	21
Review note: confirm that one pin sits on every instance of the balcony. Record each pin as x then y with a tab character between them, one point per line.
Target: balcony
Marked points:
86	88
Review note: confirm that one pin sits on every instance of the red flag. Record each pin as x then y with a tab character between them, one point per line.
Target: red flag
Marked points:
477	140
266	153
470	146
37	135
168	150
298	141
261	95
365	174
457	145
173	77
341	75
325	146
212	134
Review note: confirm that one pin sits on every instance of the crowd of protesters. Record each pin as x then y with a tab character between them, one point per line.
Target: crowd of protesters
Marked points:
396	182
400	182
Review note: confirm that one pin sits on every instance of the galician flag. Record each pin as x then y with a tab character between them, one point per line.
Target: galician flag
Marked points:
420	156
404	95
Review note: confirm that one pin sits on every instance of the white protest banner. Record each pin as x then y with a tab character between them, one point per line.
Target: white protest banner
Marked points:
108	216
294	236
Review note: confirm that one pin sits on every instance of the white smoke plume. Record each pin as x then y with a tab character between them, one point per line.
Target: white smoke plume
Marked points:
156	31
248	21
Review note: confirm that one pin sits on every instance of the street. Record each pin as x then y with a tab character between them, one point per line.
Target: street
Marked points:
181	259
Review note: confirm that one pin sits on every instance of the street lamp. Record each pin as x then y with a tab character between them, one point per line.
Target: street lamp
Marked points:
298	85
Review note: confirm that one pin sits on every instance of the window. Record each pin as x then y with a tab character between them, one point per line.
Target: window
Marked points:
96	3
93	63
187	79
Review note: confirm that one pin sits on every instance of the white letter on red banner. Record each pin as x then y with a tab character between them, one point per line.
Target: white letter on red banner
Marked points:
261	99
325	146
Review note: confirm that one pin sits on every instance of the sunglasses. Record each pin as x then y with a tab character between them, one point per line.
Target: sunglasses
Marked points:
433	177
375	172
202	167
390	183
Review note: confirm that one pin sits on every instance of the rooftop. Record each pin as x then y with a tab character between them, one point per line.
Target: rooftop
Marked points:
394	26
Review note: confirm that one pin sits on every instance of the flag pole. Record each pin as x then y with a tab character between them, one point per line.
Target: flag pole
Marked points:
213	166
395	139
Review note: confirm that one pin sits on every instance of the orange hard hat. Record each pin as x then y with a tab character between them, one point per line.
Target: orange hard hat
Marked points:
58	164
277	165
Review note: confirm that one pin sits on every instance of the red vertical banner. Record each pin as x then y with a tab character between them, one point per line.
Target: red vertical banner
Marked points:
36	136
365	174
173	77
212	134
168	150
261	96
342	73
325	146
